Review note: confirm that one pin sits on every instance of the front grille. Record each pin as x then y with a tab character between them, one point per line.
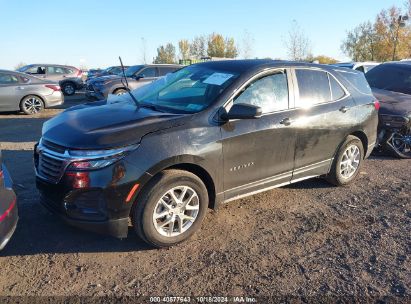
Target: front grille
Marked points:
53	147
50	168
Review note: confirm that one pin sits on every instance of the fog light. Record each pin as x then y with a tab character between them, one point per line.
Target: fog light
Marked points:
79	180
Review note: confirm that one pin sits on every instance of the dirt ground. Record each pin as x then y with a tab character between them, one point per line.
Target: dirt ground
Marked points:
309	240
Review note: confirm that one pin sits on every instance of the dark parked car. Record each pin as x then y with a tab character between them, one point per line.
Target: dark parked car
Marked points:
206	134
29	94
69	77
391	85
113	70
139	75
8	206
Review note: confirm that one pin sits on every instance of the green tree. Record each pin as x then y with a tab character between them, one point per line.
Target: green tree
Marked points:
184	46
216	45
231	50
166	54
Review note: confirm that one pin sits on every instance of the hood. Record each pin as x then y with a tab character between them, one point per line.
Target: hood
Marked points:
103	126
393	103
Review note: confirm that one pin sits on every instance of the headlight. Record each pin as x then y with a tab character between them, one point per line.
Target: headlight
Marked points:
97	159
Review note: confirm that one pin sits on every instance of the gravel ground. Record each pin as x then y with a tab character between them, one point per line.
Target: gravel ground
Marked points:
309	240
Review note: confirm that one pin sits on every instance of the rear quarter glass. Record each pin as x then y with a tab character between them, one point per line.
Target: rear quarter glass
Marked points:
357	80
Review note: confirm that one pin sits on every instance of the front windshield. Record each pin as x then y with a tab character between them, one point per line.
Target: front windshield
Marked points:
188	90
132	70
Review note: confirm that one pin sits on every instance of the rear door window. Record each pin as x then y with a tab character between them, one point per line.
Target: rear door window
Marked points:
313	86
165	70
56	70
270	93
337	92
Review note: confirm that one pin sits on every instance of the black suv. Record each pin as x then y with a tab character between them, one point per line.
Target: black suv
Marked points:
98	88
391	85
209	133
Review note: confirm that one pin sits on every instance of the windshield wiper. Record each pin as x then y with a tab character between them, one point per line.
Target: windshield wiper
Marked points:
126	85
151	106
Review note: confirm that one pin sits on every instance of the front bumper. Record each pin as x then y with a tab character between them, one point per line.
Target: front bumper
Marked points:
101	206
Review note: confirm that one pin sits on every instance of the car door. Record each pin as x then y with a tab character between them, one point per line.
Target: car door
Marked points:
326	116
259	153
37	70
55	73
9	92
143	77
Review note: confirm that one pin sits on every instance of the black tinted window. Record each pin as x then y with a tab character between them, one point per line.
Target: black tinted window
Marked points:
149	72
337	91
313	87
165	70
270	93
391	78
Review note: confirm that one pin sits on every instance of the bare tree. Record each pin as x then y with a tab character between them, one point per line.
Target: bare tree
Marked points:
247	47
297	43
143	50
19	65
198	48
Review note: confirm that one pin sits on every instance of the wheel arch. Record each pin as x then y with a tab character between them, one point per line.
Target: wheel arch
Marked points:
187	163
364	140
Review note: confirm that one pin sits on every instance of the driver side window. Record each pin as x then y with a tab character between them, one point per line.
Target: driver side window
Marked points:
270	93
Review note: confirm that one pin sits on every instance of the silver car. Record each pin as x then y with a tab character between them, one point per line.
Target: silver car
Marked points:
69	77
29	94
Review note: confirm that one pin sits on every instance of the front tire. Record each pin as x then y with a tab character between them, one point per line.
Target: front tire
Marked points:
170	208
399	144
347	163
31	104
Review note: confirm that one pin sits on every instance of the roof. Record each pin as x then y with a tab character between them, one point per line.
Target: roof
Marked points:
242	66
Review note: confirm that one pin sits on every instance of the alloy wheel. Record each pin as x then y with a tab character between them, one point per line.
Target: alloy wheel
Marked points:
33	105
69	89
350	161
402	143
176	211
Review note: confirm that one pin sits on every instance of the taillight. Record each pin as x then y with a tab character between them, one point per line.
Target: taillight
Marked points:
79	73
377	105
53	87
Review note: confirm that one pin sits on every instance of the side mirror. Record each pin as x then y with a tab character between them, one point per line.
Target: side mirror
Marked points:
243	111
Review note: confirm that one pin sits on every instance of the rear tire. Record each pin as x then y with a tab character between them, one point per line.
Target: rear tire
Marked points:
68	88
31	104
347	162
170	208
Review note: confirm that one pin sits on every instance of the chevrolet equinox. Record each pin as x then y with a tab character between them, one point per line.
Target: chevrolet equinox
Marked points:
204	135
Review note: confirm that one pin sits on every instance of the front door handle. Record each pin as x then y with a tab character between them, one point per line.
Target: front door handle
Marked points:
286	121
344	109
20	88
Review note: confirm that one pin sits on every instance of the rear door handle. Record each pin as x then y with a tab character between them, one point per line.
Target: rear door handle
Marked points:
286	121
20	88
344	109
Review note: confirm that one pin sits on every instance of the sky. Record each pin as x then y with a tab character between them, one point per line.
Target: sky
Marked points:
94	33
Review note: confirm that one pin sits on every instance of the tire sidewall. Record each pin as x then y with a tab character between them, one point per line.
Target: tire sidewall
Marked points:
120	90
22	108
349	142
148	205
69	84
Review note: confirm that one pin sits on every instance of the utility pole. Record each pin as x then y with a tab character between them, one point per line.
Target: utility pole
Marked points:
396	26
